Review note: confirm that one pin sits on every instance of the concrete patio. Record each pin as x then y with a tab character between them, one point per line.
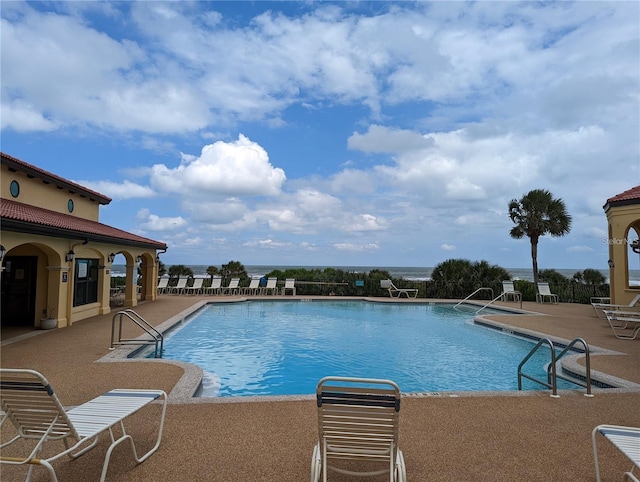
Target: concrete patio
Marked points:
501	436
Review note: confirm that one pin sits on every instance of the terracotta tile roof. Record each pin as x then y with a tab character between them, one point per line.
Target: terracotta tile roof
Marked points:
30	169
17	216
630	196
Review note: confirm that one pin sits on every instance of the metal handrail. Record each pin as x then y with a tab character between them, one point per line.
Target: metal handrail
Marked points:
158	338
476	291
496	299
552	374
587	383
552	379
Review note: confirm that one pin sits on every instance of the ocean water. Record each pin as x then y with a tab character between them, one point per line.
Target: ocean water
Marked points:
408	273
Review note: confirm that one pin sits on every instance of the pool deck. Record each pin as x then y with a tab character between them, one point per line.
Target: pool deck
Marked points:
480	436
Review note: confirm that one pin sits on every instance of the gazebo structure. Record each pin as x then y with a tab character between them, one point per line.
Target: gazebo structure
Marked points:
56	256
623	217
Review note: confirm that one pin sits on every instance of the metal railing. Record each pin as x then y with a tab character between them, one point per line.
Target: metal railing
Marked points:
476	291
552	375
157	338
500	297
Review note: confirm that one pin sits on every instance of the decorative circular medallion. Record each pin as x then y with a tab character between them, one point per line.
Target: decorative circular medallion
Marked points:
70	205
14	188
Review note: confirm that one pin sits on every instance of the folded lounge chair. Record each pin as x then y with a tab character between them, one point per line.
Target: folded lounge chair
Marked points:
625	439
387	284
29	402
289	285
358	422
508	291
544	293
608	306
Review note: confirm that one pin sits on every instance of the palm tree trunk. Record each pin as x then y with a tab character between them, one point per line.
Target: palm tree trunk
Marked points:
534	259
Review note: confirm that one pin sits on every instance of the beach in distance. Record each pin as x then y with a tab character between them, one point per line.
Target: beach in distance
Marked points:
408	273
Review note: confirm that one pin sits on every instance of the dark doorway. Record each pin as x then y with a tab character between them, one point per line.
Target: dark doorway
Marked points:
19	290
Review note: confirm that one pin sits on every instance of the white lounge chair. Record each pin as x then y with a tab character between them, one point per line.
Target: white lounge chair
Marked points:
178	289
620	320
163	284
215	288
358	420
508	291
233	287
254	286
29	402
290	285
611	307
625	439
195	288
272	286
544	293
387	284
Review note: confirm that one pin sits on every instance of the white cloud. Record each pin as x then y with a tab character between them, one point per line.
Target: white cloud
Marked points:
356	247
24	117
239	168
448	247
123	190
153	222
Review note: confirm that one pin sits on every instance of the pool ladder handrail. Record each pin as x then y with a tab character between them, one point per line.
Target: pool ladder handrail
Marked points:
496	299
552	375
476	291
157	338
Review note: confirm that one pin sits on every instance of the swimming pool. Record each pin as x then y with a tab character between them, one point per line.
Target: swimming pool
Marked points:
285	347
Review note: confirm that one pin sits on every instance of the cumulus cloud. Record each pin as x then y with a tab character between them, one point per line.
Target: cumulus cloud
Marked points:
239	168
153	222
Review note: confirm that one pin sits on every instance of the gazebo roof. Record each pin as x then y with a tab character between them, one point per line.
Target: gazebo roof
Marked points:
628	197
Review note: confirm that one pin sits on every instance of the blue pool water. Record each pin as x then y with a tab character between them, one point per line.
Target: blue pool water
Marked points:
285	347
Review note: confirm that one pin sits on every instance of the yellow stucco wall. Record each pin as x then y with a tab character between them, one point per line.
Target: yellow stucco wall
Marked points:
54	290
35	192
624	226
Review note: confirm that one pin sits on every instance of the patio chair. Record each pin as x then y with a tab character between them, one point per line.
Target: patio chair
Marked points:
625	439
611	307
232	288
387	284
290	285
163	284
358	421
544	293
29	402
509	291
254	286
195	288
178	289
215	288
620	320
272	286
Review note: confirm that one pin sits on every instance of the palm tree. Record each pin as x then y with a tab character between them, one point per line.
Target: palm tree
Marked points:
536	214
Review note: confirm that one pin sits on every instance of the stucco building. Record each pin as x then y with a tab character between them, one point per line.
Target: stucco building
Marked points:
56	255
623	217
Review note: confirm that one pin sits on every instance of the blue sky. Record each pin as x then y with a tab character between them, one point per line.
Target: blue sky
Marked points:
331	134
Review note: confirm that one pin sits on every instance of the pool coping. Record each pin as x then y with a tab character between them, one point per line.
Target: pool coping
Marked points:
190	383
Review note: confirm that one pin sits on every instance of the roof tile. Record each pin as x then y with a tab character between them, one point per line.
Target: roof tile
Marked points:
38	216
